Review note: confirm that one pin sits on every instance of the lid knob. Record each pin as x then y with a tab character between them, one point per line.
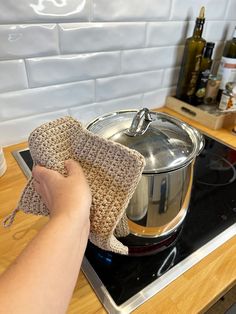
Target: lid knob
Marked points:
140	123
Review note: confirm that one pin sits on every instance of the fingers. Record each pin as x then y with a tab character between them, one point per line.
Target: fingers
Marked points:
72	167
37	185
37	176
40	173
36	173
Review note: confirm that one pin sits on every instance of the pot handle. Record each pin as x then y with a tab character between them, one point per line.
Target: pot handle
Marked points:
140	123
201	141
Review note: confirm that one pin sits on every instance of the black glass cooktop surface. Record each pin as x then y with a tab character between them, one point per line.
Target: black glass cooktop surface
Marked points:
118	279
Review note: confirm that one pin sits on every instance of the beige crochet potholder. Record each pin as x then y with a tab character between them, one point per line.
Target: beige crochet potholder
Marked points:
112	170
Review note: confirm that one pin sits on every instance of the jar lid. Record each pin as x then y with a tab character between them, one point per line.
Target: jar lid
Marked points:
165	142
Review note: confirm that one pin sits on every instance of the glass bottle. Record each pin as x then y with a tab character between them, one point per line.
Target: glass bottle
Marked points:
205	71
227	68
190	67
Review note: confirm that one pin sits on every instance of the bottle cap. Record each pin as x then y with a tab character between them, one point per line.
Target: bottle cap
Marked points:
202	13
208	50
230	86
210	45
200	20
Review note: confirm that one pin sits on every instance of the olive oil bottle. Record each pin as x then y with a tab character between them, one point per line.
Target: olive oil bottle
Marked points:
191	62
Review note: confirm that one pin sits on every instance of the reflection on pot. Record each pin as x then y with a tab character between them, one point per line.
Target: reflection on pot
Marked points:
138	207
160	203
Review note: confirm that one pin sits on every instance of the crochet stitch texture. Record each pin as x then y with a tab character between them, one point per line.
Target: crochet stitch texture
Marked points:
112	170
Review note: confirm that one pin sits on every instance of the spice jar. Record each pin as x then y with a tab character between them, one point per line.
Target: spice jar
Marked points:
228	97
212	89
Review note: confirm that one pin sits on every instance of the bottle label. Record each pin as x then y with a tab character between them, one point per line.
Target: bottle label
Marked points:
194	76
227	70
212	89
202	83
227	102
224	102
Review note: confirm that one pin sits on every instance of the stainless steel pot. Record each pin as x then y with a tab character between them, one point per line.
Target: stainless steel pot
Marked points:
160	202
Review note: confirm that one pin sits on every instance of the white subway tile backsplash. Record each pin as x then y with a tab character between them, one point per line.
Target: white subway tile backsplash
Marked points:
218	30
231	11
132	102
45	99
87	37
18	130
69	68
189	10
151	59
132	10
86	114
12	75
231	28
157	98
25	11
166	33
217	54
126	85
215	66
190	29
28	40
170	77
91	57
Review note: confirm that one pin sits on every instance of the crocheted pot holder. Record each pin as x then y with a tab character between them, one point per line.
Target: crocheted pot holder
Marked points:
112	170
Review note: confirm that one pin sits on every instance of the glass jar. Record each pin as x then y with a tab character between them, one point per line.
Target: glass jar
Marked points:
228	97
212	89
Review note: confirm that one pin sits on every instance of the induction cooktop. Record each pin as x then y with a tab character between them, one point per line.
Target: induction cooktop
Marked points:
122	283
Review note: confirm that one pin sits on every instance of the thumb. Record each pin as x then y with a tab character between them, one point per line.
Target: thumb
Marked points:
40	172
72	167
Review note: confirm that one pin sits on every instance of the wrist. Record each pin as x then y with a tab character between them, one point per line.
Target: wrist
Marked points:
74	221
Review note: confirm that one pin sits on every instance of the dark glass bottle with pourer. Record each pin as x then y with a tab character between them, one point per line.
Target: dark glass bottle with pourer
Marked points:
191	62
205	71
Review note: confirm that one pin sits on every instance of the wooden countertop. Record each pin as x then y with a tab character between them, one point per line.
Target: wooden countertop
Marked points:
193	292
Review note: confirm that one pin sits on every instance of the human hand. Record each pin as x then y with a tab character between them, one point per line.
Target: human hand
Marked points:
70	196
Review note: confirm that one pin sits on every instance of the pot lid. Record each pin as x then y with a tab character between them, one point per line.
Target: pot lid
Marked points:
165	142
